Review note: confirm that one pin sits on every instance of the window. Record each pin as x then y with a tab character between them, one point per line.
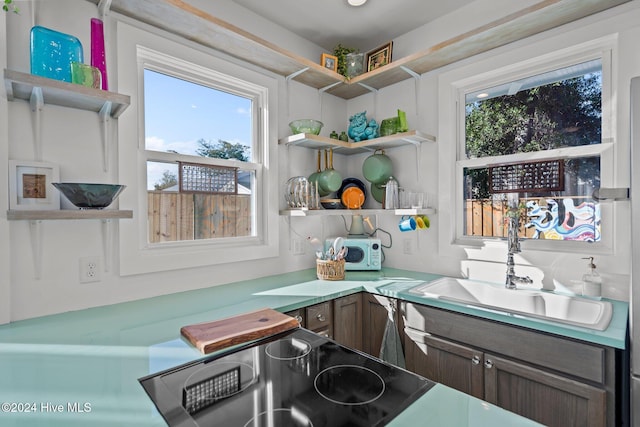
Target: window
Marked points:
540	137
197	154
191	197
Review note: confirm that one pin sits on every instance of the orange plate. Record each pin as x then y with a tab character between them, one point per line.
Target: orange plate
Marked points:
353	198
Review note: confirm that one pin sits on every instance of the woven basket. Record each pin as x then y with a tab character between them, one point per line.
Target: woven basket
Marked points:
330	270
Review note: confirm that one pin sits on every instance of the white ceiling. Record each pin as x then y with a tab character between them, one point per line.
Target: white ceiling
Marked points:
329	22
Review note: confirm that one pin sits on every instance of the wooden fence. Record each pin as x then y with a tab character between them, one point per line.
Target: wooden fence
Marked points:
486	217
182	216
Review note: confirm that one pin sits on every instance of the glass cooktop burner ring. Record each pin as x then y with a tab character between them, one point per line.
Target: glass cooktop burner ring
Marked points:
288	349
336	384
274	417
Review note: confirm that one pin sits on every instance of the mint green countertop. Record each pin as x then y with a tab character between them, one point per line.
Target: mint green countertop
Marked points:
81	368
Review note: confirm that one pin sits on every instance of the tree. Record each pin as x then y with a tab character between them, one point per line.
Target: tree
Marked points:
223	150
169	179
560	114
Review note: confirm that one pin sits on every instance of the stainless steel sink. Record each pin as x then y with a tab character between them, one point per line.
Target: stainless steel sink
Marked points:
577	311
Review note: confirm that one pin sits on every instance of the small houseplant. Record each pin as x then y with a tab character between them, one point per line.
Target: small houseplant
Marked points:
8	5
341	52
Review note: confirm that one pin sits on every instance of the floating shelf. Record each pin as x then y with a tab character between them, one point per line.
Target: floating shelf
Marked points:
193	23
56	92
39	91
307	140
332	212
36	215
35	218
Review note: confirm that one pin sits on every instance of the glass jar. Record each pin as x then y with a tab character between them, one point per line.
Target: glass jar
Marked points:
355	64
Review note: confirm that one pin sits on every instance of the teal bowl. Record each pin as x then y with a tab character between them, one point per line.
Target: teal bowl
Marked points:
89	196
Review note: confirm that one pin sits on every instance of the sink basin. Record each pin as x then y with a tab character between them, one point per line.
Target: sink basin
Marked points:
577	311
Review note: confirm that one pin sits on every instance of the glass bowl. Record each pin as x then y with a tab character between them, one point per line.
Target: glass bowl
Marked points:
306	126
89	196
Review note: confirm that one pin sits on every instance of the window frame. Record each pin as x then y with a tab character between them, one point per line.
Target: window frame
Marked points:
139	49
193	73
600	49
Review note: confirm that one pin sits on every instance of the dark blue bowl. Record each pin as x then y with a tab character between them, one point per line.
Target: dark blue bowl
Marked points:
89	196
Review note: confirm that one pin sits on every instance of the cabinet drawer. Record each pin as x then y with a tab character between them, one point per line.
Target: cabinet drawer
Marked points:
579	359
319	316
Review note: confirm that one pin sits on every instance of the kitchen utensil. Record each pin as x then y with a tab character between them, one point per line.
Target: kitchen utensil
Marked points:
211	336
316	175
89	196
377	191
351	182
306	126
337	245
331	203
407	223
357	226
296	192
377	168
352	198
391	194
330	179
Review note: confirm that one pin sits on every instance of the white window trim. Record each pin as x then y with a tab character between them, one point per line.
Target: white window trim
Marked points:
452	89
138	49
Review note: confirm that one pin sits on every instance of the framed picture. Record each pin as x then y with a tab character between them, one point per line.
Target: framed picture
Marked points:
379	57
30	185
330	62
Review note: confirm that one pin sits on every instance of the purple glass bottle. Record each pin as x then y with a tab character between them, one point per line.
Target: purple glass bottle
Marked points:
98	59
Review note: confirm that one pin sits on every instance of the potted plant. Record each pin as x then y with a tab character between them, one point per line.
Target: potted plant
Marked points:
341	52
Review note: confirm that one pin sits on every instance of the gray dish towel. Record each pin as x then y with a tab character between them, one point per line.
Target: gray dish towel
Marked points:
391	348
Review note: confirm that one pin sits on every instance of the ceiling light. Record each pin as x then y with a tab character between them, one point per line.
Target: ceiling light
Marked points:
356	2
482	95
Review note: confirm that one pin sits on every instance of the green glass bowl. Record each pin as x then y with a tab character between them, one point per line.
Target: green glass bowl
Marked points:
306	126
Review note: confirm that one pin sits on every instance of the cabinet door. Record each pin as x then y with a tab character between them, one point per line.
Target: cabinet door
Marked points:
347	321
319	318
375	311
446	362
541	396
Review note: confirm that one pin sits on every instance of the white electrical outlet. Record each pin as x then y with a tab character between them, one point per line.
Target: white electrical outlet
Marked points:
297	246
90	270
407	246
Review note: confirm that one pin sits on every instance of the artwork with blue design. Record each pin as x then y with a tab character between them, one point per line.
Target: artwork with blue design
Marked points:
562	219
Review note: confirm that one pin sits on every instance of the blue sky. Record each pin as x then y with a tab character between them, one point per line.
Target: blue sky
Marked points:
179	113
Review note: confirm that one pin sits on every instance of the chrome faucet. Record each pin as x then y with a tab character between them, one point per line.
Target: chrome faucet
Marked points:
513	246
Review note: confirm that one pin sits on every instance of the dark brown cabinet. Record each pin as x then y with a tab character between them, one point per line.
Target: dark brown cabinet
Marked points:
457	366
547	398
339	319
550	379
347	321
375	313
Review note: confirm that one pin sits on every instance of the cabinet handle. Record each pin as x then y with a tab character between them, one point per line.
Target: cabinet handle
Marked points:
299	319
321	317
488	364
475	360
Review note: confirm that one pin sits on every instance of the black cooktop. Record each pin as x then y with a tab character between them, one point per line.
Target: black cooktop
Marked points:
297	378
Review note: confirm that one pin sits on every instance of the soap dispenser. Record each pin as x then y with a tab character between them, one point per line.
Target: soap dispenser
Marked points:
591	281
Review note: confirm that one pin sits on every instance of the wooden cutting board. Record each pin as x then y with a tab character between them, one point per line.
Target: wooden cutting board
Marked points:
211	336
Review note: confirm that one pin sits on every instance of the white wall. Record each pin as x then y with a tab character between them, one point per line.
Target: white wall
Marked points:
72	141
